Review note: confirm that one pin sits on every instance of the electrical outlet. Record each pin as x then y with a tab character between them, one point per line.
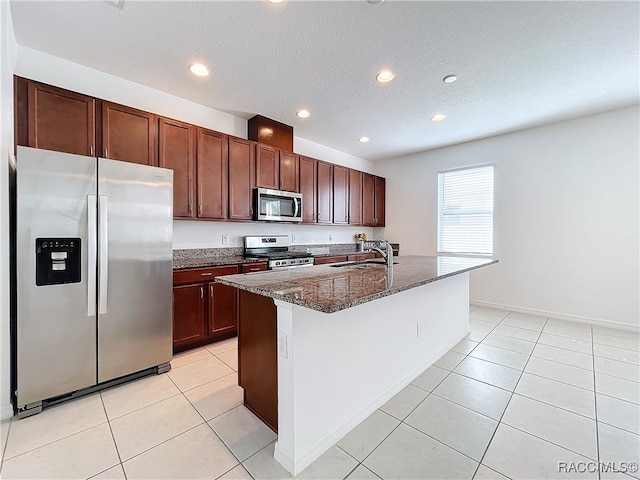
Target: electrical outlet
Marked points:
330	237
418	330
282	345
225	239
294	237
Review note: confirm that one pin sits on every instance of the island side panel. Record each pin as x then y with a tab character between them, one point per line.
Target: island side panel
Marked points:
257	356
341	367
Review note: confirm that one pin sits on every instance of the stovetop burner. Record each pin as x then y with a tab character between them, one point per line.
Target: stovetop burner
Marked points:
275	248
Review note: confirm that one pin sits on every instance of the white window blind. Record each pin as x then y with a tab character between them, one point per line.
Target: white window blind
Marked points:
465	211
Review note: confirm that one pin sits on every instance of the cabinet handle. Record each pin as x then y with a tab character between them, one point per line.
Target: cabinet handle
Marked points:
106	153
206	274
201	293
190	208
91	150
200	209
210	291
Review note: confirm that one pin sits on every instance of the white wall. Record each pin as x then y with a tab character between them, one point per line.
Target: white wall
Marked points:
566	215
187	234
7	60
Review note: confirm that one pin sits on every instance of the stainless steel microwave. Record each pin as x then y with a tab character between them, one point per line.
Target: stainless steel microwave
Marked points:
277	206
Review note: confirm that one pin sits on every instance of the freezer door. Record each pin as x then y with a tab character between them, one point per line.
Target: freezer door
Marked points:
56	322
135	234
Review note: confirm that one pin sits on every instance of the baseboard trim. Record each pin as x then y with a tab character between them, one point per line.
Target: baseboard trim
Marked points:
296	464
561	316
6	411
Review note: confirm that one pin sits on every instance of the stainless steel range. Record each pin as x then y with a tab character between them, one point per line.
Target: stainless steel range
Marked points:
275	249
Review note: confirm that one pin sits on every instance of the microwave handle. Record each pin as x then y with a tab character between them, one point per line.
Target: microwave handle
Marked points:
297	203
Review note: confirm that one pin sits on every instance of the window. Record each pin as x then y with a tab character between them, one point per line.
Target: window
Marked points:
465	211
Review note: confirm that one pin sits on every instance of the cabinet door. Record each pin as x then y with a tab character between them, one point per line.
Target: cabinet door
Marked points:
368	199
242	167
355	197
188	314
308	188
340	194
267	167
289	176
177	152
380	187
58	119
128	134
324	205
213	174
223	309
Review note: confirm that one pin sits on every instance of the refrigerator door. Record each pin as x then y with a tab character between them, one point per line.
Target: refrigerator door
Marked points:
56	321
135	233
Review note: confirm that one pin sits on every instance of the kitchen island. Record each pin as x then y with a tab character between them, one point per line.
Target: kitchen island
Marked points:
320	348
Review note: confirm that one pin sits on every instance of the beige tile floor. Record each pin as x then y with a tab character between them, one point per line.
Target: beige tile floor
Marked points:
516	397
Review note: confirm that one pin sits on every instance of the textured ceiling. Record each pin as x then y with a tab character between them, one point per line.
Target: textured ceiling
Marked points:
519	64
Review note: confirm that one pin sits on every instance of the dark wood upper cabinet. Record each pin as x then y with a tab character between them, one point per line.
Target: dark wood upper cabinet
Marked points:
368	199
340	194
289	175
54	119
188	314
269	132
308	188
128	134
177	152
242	177
213	174
324	205
267	167
380	188
355	197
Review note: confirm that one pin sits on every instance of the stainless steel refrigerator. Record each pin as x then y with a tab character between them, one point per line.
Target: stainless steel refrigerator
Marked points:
94	274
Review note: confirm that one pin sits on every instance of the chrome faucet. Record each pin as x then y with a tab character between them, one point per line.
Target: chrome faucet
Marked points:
387	253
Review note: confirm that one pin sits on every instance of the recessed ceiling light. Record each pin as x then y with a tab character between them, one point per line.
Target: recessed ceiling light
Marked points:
450	78
275	1
384	76
439	117
303	113
364	139
199	69
375	2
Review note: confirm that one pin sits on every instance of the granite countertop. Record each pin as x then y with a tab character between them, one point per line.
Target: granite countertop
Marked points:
199	262
329	289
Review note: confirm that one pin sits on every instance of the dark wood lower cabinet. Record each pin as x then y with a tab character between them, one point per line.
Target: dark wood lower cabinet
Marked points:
258	356
188	315
203	311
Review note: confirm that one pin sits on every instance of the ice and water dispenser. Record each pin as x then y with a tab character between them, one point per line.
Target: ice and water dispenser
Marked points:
57	261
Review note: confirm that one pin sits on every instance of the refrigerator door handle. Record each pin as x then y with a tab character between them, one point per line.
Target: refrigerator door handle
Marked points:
103	255
92	249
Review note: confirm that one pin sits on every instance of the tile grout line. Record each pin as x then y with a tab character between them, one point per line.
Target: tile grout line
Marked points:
507	406
113	437
210	427
53	441
402	421
595	405
6	442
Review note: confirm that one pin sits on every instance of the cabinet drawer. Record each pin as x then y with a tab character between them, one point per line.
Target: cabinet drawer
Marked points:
357	257
334	259
254	267
193	275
